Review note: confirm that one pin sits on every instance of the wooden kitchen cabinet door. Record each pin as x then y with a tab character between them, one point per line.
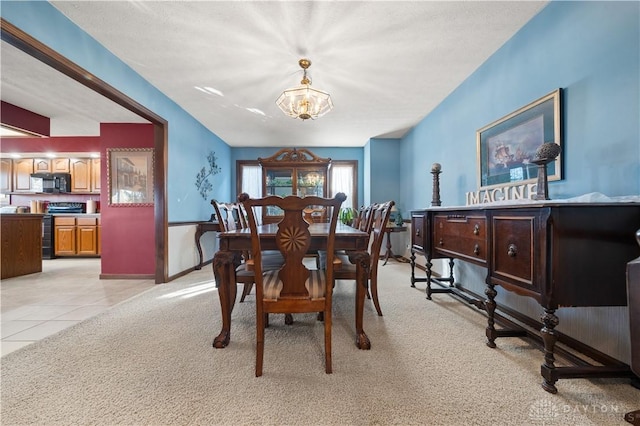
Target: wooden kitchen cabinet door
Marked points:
65	240
81	175
60	165
95	175
22	169
6	174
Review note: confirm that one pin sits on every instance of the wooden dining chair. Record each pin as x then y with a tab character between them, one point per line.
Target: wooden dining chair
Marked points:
293	288
230	217
345	270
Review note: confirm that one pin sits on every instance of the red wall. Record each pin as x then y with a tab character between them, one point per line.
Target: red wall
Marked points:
23	119
51	144
128	237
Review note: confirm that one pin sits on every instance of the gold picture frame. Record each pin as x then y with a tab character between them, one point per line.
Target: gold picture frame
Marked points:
506	147
130	177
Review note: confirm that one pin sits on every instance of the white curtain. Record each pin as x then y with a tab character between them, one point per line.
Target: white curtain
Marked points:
342	181
252	181
252	185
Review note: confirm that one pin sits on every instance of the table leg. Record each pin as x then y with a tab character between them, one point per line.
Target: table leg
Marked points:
362	260
389	253
199	247
224	266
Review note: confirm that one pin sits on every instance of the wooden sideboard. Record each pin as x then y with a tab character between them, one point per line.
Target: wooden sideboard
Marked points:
560	254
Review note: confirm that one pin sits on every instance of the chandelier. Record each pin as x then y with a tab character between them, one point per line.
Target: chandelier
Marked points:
304	101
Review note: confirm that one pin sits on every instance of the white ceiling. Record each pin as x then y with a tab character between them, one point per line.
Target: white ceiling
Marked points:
385	64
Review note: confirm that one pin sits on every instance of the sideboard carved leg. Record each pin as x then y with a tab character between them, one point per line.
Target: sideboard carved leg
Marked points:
413	268
549	337
490	306
451	264
428	265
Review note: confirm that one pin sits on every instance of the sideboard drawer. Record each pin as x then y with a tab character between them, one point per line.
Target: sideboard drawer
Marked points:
514	250
418	231
461	235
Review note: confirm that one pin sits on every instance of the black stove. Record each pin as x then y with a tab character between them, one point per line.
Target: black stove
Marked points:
67	207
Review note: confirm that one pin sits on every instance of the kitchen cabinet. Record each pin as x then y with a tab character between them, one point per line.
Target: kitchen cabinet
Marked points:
77	236
80	175
65	236
21	236
22	169
60	165
293	172
87	236
85	175
41	165
15	175
95	175
6	175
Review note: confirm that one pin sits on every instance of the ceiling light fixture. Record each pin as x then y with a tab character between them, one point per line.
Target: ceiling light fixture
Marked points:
304	101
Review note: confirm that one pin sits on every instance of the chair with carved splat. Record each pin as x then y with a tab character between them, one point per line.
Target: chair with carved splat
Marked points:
347	271
293	288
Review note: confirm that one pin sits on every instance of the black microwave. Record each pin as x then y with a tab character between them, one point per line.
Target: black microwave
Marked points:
51	182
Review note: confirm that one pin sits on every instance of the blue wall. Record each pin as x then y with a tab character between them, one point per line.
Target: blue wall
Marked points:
189	141
384	163
590	50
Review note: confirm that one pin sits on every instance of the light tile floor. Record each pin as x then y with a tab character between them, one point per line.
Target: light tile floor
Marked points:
67	291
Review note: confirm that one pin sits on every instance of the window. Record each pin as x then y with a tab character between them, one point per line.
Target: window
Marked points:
343	178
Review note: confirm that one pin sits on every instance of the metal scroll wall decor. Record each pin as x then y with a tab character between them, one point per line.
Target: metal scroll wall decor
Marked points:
202	178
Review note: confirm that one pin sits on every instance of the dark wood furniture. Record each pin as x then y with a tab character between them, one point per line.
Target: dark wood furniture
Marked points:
233	243
633	293
389	253
560	254
293	288
201	229
292	172
379	216
21	244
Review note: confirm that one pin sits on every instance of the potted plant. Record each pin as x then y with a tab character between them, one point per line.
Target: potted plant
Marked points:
346	215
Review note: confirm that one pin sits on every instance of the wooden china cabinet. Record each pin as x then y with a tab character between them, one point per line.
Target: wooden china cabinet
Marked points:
293	172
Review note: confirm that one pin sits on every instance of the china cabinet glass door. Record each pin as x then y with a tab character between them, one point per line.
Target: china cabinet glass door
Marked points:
310	182
278	182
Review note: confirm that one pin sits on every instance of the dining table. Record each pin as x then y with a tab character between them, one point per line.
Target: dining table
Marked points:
233	243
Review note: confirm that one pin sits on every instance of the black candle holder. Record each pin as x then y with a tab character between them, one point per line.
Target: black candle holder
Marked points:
546	153
436	169
542	189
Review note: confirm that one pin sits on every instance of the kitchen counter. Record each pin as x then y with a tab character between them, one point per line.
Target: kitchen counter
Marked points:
21	240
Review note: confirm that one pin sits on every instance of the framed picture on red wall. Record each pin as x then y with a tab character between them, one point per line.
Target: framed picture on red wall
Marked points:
130	176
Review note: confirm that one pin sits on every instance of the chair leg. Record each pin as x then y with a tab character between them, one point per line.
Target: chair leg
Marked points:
327	342
288	319
260	324
374	291
246	291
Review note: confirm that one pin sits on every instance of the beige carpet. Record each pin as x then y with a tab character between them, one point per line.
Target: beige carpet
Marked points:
149	361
